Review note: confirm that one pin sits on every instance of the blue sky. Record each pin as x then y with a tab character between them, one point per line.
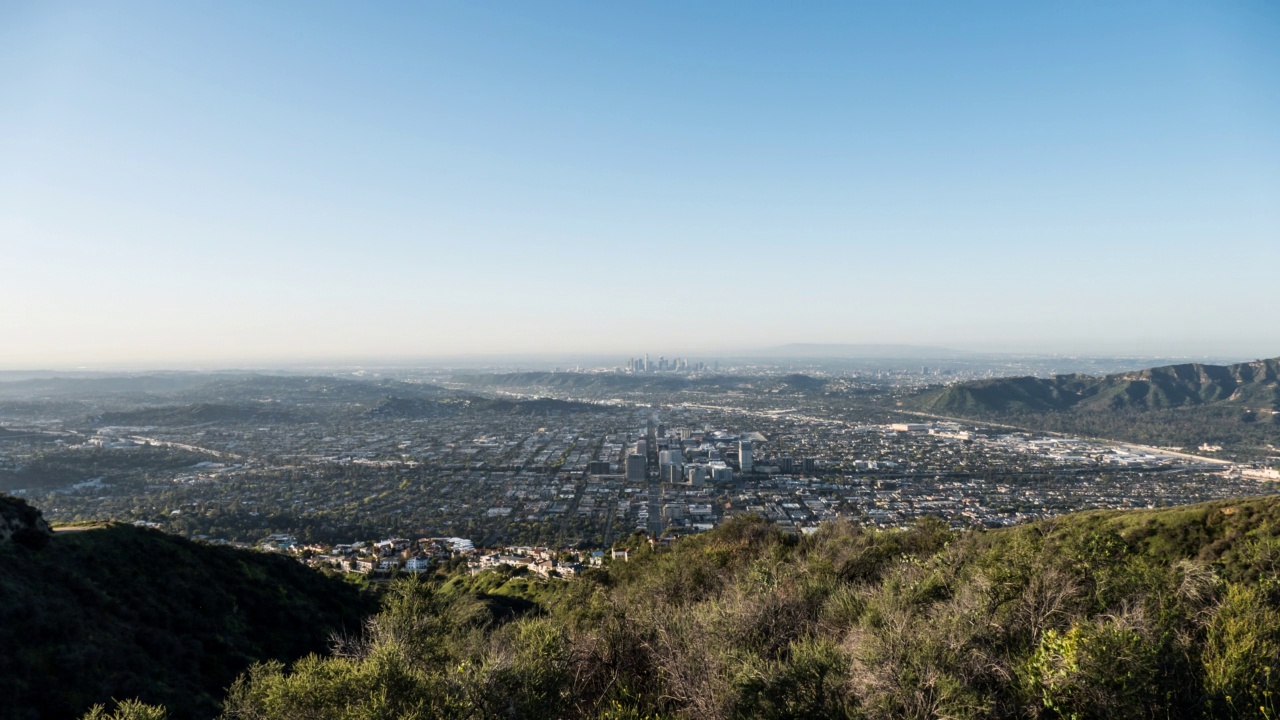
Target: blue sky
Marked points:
229	182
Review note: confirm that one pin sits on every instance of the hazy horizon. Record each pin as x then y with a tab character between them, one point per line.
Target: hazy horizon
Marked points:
568	361
239	183
568	358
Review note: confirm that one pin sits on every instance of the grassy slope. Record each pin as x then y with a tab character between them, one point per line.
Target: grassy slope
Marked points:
1149	614
744	621
1214	533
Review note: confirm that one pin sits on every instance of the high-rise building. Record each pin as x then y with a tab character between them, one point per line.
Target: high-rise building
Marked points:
744	455
696	475
672	473
637	468
721	473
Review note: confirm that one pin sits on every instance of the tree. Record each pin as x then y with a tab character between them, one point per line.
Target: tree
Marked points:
127	710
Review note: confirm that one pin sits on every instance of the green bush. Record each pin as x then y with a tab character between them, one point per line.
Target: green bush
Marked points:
1095	669
1137	615
1242	655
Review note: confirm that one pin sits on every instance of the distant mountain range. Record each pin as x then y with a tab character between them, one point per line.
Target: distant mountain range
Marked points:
215	388
420	408
197	414
1245	385
606	383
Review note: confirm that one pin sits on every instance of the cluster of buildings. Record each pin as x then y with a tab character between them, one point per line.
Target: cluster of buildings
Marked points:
667	464
392	554
643	365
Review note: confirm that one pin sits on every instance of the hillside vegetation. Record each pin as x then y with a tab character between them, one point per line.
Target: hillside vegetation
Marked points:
419	408
1152	614
1254	384
1232	405
59	468
196	414
126	612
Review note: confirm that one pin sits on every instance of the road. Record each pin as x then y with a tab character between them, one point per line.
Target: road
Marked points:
655	484
183	446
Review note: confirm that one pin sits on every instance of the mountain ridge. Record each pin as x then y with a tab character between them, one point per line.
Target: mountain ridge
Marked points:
1255	383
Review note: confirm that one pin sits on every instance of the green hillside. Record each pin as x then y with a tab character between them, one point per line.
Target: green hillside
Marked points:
1255	384
125	612
1151	614
419	408
1236	406
195	414
1139	614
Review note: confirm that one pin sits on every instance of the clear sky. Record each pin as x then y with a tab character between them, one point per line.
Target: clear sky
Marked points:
224	182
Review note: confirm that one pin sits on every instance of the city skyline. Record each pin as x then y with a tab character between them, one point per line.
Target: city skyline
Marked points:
247	184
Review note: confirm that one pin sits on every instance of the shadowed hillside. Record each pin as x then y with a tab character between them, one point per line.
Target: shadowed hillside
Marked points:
122	611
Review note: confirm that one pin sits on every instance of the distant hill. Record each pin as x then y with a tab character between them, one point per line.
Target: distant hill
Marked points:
398	408
123	612
197	414
1252	384
419	408
27	435
306	390
798	382
598	384
159	383
212	388
59	470
1235	406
